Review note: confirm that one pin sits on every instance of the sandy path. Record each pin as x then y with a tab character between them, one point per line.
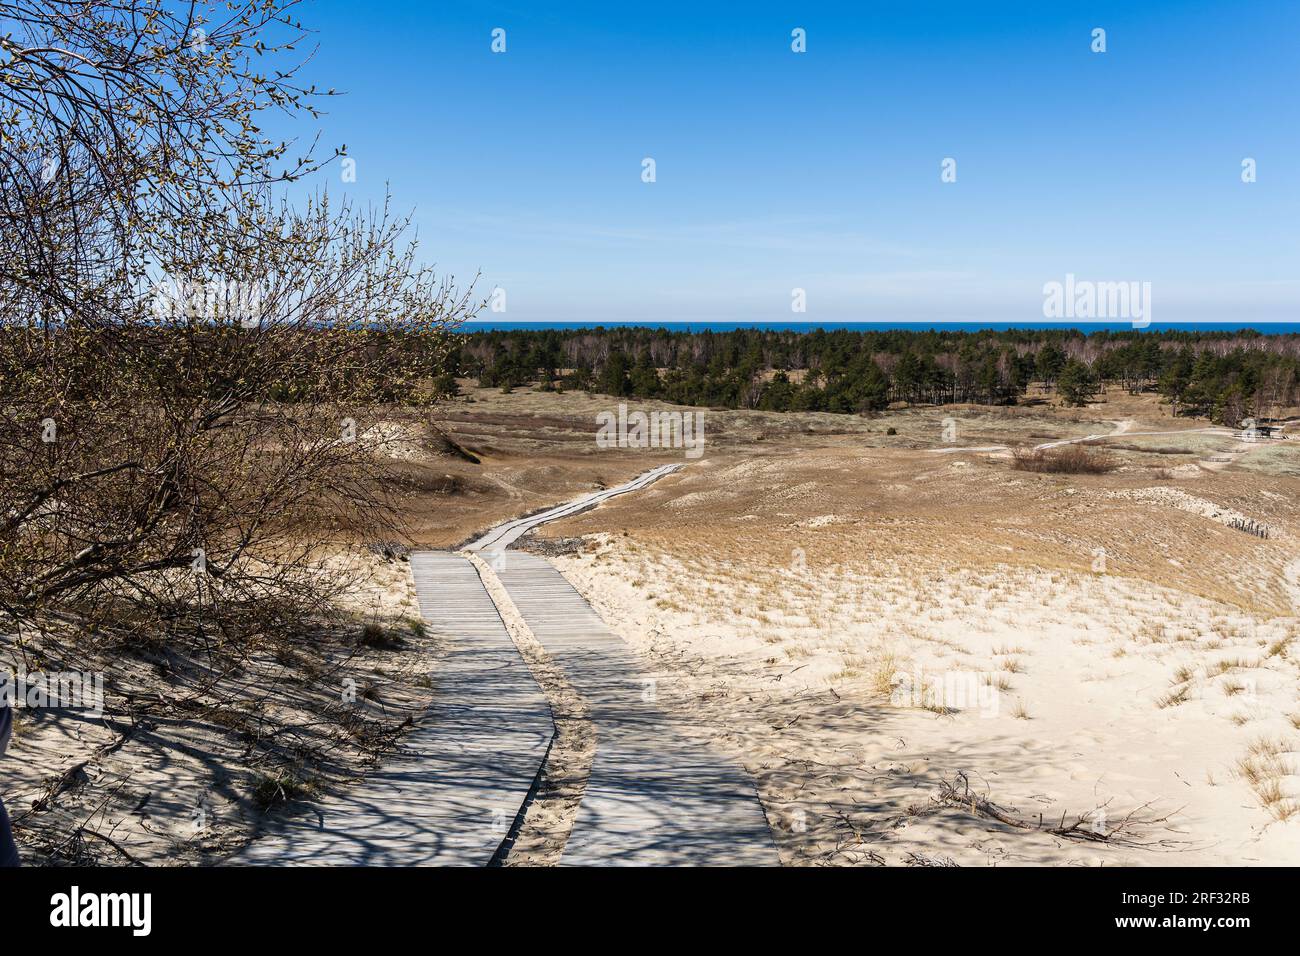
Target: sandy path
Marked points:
1124	427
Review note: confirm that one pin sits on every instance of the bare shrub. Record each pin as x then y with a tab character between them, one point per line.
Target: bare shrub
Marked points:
197	378
1063	460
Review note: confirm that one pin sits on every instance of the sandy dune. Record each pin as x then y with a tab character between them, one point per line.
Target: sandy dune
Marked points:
1102	656
1104	667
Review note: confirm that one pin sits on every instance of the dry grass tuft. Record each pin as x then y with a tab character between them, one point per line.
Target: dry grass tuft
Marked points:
1175	697
1265	767
1000	681
881	677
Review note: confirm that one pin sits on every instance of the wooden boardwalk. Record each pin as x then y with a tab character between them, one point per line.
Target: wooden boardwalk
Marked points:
452	795
654	797
502	536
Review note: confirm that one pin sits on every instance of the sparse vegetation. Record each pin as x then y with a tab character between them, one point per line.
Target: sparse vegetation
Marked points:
1265	768
377	636
1065	460
270	792
1179	695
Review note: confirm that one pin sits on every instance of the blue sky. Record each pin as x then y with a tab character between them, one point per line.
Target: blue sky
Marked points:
821	170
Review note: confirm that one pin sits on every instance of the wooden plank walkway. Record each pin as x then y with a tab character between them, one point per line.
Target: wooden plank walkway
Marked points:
654	797
452	795
502	536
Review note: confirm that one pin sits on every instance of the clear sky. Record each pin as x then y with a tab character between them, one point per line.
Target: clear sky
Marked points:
821	170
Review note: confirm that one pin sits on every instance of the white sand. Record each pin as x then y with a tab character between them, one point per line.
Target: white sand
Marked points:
850	775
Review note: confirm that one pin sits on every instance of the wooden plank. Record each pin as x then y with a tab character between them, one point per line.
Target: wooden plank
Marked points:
654	797
452	794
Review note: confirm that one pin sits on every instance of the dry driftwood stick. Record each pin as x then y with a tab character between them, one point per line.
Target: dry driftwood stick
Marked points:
1123	833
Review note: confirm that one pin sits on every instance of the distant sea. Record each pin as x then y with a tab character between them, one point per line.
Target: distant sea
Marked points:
1265	328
